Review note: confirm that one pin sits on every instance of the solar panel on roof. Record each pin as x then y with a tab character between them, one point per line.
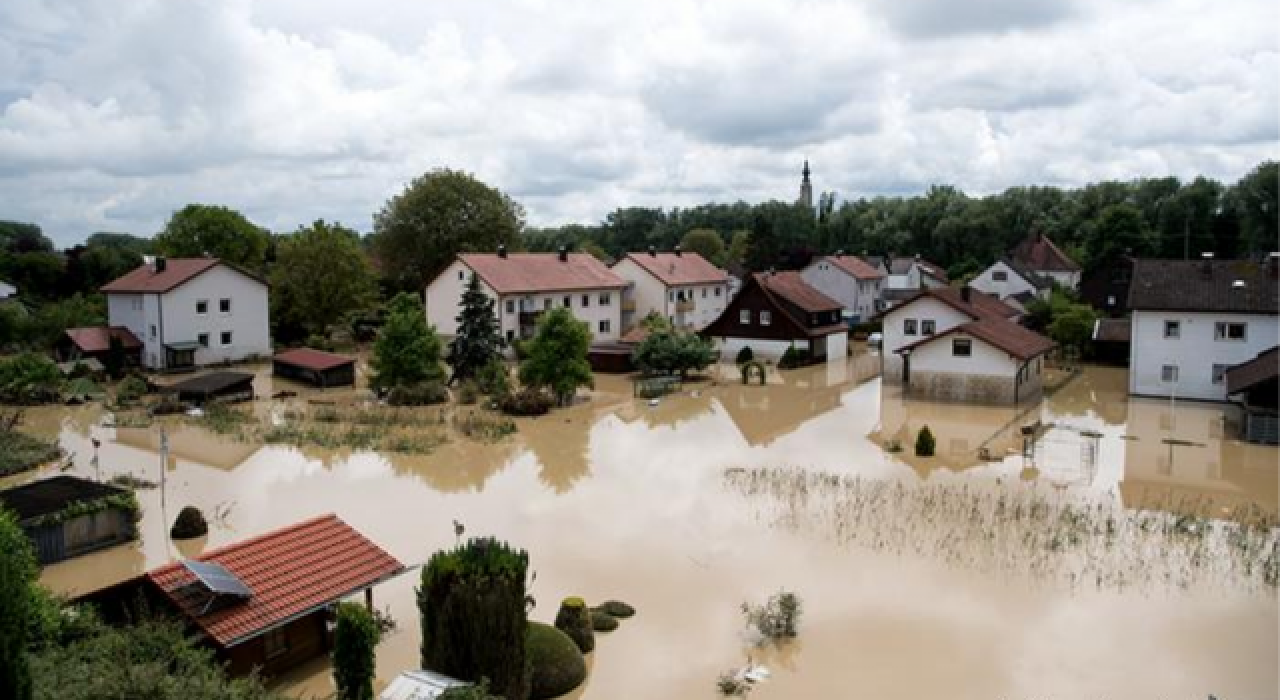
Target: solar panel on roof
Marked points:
217	579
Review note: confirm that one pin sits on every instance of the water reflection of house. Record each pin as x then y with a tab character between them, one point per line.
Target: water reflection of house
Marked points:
960	431
765	413
1183	451
191	444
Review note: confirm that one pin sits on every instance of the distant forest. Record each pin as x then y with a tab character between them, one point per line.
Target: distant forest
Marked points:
1157	217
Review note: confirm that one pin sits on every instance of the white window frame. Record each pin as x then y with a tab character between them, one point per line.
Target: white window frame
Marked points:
744	317
1169	374
957	343
1222	331
605	326
1173	329
766	318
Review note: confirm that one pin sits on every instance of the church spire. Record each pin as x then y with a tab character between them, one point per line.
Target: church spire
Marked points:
806	188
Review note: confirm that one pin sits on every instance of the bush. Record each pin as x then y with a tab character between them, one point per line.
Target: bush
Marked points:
526	402
556	664
603	622
426	393
355	636
731	686
745	355
131	389
19	451
479	691
925	443
29	379
189	524
574	620
493	378
616	608
776	619
794	357
315	341
468	393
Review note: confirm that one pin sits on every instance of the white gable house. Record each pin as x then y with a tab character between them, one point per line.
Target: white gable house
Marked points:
850	281
682	287
1005	279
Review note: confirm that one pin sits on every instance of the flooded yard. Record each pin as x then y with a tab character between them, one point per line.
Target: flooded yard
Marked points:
617	498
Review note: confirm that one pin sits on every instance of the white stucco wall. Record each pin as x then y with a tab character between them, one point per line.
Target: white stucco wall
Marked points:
652	295
944	317
1070	280
444	295
1014	284
762	350
1194	352
7	290
856	296
647	291
988	374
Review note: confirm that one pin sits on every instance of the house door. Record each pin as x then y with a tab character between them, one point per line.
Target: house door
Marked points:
906	369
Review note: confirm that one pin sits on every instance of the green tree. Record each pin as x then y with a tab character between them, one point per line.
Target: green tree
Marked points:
1119	228
20	237
321	274
17	574
407	351
418	232
1072	327
1255	200
705	242
672	352
36	274
925	442
557	356
51	320
478	342
355	638
223	233
739	245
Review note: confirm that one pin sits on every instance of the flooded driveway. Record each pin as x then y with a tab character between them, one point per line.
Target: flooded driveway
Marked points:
615	498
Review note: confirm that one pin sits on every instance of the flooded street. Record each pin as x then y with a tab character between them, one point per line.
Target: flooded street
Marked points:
615	498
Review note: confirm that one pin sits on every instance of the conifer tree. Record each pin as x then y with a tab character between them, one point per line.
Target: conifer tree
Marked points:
478	341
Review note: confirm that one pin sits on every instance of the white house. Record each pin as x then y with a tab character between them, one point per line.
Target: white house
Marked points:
1038	254
681	287
850	281
1005	279
1192	320
904	276
189	312
7	290
961	344
524	285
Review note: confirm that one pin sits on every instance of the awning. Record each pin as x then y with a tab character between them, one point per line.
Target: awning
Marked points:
184	345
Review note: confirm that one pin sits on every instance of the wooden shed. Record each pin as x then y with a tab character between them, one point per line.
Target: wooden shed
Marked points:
1255	385
315	367
67	516
222	386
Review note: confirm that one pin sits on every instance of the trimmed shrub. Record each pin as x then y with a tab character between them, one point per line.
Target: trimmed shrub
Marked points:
426	393
745	355
616	608
493	379
603	621
925	442
479	691
556	664
794	357
355	636
526	402
468	393
575	620
189	524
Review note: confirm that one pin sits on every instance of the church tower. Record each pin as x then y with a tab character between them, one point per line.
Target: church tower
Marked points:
806	188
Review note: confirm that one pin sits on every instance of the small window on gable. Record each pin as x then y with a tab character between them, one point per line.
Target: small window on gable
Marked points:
909	326
203	339
1172	329
744	317
1000	276
961	347
766	318
224	306
462	275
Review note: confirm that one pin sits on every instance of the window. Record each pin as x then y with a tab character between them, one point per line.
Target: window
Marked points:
961	347
704	292
1219	373
203	339
153	330
137	303
1172	329
909	327
1169	373
226	337
1228	331
546	304
202	306
511	306
605	299
224	306
511	335
605	326
717	291
928	327
744	317
1111	300
1000	276
568	301
275	642
671	295
462	275
586	300
766	318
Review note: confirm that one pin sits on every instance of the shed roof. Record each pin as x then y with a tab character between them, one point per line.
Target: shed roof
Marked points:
979	305
49	496
515	273
1264	367
291	572
1204	285
317	360
145	279
1112	330
675	269
98	338
1038	252
211	383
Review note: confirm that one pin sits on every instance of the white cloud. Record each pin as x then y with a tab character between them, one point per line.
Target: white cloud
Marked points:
112	115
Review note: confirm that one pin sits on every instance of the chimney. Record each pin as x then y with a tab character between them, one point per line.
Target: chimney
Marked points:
161	264
1206	265
1273	264
653	252
917	257
502	250
564	253
676	250
840	253
965	294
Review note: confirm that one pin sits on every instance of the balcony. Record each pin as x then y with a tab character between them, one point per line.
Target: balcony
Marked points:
685	306
628	305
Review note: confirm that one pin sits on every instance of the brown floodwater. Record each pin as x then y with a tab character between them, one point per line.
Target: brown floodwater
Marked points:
615	498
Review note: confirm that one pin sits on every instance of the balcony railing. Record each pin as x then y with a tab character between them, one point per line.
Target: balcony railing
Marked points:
685	306
628	304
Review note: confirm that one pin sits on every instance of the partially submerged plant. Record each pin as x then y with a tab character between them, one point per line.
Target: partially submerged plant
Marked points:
777	619
731	685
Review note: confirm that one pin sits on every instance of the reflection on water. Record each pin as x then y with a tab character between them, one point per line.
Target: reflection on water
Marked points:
615	497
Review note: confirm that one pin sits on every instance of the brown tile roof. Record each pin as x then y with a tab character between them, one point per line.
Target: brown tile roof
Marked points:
856	267
290	572
518	273
98	338
1038	252
1113	330
979	305
145	280
791	286
1197	285
685	268
1006	335
317	360
1242	377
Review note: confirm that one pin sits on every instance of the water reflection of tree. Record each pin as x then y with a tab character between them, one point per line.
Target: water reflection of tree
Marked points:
457	466
559	441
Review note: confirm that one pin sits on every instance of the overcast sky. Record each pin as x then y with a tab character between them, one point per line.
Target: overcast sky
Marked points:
115	113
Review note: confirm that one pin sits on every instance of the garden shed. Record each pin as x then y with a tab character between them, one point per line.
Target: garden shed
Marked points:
315	367
66	516
222	386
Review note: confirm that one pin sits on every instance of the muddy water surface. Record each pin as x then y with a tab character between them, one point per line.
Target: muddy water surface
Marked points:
617	498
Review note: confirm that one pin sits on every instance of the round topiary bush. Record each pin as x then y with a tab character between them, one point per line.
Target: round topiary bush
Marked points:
556	664
189	524
616	608
745	355
575	620
603	621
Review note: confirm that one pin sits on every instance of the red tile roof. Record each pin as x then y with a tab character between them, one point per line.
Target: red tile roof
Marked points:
856	266
290	572
317	360
673	270
98	338
791	286
518	273
145	280
1039	253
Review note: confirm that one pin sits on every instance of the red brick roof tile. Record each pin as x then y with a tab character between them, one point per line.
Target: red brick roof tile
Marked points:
674	270
1038	252
517	273
856	267
98	338
290	572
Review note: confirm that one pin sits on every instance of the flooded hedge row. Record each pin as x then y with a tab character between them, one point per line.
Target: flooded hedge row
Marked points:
1027	530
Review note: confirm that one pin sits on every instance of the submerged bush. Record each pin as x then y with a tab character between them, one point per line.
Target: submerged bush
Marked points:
575	620
526	402
493	379
131	389
556	664
189	524
731	686
776	619
29	379
616	608
925	442
426	393
603	621
468	393
745	355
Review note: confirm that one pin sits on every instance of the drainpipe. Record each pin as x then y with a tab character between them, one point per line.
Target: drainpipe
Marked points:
164	358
